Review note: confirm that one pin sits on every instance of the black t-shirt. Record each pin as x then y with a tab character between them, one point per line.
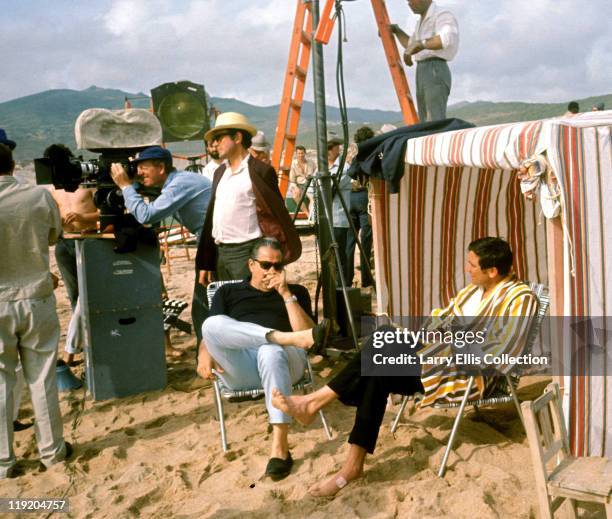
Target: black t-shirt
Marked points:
243	302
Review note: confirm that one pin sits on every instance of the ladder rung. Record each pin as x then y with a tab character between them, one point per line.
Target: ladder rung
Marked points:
306	39
285	168
300	72
296	104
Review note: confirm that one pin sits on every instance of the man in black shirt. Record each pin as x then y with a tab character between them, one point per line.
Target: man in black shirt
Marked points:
257	335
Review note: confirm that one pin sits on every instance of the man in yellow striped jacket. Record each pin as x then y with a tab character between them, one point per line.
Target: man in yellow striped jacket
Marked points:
500	304
495	301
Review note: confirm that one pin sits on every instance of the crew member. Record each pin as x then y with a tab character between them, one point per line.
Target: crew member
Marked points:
245	205
29	327
184	196
433	44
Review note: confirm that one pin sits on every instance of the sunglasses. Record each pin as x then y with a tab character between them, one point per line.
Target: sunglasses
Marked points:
266	265
219	137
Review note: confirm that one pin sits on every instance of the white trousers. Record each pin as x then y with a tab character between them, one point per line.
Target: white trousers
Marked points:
251	362
29	332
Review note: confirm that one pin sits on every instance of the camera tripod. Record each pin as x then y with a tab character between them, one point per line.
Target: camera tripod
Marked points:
315	180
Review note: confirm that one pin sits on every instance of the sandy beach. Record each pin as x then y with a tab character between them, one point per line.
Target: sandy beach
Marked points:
159	454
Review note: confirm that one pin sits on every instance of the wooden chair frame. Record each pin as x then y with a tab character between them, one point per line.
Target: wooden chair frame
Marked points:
572	479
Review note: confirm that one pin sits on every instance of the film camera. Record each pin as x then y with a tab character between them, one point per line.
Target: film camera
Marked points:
115	136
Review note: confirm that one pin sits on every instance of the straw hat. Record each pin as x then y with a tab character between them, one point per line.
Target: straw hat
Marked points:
231	121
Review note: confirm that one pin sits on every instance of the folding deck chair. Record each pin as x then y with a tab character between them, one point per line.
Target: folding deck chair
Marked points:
500	396
306	384
559	476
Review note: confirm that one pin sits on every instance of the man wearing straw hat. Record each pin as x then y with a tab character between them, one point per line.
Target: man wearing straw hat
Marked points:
245	205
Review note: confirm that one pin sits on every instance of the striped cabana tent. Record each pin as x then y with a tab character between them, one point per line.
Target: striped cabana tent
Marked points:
462	185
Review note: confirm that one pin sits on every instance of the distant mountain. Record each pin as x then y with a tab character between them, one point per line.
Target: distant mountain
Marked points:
483	113
35	121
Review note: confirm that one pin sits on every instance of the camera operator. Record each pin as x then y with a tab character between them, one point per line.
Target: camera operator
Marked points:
184	196
29	328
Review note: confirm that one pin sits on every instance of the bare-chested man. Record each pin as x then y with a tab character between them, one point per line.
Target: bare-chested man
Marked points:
79	215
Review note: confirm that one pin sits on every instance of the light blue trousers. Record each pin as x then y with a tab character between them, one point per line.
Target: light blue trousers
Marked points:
250	362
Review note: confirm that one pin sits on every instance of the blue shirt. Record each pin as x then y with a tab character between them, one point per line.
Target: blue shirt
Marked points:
185	196
340	218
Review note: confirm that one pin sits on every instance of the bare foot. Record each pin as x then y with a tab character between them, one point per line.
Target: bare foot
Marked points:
302	339
334	484
295	406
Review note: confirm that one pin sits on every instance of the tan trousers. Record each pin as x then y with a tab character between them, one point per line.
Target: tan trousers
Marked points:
29	331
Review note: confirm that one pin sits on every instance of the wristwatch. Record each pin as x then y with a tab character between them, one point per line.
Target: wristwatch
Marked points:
423	42
291	299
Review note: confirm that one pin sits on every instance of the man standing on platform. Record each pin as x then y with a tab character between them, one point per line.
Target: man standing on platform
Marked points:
433	43
245	205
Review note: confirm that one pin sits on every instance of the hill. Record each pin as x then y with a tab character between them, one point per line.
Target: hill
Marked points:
37	120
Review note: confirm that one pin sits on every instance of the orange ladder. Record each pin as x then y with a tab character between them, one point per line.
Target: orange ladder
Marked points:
293	94
297	68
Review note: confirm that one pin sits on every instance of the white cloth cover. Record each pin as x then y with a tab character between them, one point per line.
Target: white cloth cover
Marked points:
99	128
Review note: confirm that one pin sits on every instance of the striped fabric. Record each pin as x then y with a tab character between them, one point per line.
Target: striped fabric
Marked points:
509	299
580	152
459	186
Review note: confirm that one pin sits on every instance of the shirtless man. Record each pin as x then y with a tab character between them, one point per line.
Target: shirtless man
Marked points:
79	215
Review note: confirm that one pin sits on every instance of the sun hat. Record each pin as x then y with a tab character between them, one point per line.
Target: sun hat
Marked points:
231	121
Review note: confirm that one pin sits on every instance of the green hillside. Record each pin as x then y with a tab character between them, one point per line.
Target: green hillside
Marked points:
35	121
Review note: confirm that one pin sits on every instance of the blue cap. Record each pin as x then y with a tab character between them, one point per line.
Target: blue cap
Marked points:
154	153
5	140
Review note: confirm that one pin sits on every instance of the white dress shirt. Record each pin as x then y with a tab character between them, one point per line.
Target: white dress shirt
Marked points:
437	22
235	213
209	170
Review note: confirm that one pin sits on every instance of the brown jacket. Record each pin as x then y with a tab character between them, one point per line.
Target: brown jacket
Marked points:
274	220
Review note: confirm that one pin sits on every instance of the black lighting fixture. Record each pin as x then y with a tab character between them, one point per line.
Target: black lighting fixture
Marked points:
182	110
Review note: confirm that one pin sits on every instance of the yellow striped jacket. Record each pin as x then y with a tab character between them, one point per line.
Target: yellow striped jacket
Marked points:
506	313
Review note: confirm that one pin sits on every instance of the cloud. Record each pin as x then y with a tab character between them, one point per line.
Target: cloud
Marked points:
542	50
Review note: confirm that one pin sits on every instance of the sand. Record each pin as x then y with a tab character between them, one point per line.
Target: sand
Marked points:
159	454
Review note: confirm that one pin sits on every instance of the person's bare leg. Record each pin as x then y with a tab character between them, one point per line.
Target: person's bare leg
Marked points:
280	442
303	408
352	469
171	351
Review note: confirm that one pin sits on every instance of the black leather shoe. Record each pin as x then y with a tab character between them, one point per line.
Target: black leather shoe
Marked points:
278	468
69	450
21	426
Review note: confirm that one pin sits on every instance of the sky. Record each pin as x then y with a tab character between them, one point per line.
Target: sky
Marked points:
510	50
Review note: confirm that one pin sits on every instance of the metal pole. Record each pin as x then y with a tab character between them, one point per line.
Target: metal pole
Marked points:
328	267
